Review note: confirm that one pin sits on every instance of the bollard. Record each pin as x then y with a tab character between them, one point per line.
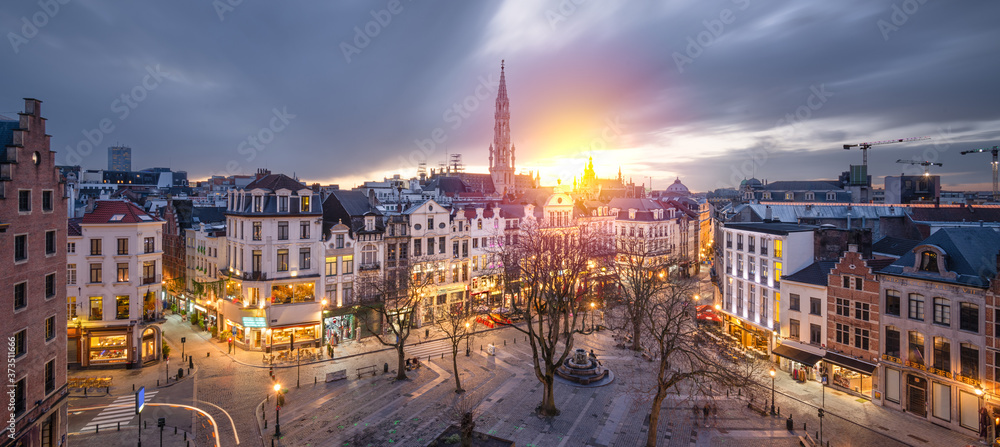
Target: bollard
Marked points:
119	426
505	342
133	387
97	428
208	354
779	411
314	380
145	424
157	382
84	391
185	436
804	427
265	422
175	429
108	390
817	434
442	356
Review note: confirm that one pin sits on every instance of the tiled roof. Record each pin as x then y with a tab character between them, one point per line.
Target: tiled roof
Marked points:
117	211
815	273
893	246
275	182
770	227
74	226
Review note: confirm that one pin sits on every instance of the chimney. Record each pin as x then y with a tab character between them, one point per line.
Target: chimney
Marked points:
90	205
767	214
853	248
261	173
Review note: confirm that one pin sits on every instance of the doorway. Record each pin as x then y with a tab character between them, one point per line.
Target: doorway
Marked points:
916	396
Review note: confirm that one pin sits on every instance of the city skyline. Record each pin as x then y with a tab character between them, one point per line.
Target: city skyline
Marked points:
355	95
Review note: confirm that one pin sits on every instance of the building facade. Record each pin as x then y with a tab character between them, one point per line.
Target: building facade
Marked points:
32	292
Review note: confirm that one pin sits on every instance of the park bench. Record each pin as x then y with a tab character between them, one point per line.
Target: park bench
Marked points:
337	375
366	369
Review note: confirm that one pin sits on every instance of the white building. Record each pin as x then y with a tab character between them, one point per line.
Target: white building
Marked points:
113	285
205	251
431	255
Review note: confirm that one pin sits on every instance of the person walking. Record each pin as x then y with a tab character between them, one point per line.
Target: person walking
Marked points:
705	411
715	413
694	412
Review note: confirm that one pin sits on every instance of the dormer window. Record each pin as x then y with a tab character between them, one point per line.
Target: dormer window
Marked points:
282	204
789	196
258	204
767	195
810	196
631	214
369	223
304	200
831	196
929	261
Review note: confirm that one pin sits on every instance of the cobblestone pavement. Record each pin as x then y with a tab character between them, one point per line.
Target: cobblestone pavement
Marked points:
128	436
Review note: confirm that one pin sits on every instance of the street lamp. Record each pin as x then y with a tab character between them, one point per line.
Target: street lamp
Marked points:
277	409
772	390
467	325
592	306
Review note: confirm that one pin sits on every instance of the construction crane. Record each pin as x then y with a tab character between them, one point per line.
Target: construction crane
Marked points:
925	164
993	150
865	146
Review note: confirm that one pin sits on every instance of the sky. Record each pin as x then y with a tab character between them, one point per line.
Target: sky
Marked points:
341	92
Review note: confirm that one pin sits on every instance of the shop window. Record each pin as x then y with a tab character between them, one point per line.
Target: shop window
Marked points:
108	349
942	354
862	311
892	342
969	358
942	311
892	302
969	318
121	307
942	401
916	303
861	338
915	351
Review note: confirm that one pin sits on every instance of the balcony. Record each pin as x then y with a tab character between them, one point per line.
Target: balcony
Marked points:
254	276
155	279
369	266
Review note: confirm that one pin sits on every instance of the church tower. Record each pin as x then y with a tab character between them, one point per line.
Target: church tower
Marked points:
502	151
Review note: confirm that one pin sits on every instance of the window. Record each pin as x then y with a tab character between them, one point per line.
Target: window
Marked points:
148	245
283	260
810	196
348	293
282	204
304	230
739	242
24	201
50	242
892	302
861	338
331	266
70	307
441	245
20	247
916	303
340	241
831	196
847	282
814	334
20	295
258	204
257	231
347	262
843	307
942	311
70	274
71	247
892	342
915	352
148	272
50	376
122	246
454	249
968	318
996	366
763	271
283	231
475	243
19	398
969	359
95	247
862	311
777	273
859	284
793	329
430	246
430	222
750	244
815	306
255	260
942	354
50	285
928	261
50	328
122	272
417	247
763	246
305	259
304	201
121	307
46	201
793	301
95	273
729	238
20	343
777	248
843	334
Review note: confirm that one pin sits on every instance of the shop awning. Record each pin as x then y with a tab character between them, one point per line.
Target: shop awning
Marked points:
850	363
293	325
797	355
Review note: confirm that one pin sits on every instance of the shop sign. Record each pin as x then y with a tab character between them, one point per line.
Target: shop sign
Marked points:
199	308
967	380
891	359
940	372
254	322
915	365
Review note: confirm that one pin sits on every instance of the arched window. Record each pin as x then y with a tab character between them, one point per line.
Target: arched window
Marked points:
929	261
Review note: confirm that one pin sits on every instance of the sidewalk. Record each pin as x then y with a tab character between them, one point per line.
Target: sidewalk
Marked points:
128	436
898	425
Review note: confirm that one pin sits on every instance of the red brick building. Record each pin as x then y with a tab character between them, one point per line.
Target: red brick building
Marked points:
32	286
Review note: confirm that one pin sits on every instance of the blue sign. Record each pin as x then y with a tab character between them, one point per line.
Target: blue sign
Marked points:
140	400
254	322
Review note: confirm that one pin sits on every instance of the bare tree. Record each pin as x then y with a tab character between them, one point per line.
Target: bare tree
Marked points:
640	270
390	300
465	410
681	353
458	325
545	268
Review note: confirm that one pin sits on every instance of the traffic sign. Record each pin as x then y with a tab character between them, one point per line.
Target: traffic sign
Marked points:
140	400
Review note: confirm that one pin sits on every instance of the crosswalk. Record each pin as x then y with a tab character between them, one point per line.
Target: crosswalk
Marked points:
121	410
433	349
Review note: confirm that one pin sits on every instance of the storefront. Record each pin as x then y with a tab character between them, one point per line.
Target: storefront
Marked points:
749	336
304	335
850	374
340	328
150	348
800	363
108	348
250	333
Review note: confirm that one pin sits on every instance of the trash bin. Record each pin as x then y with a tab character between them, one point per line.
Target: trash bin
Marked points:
788	423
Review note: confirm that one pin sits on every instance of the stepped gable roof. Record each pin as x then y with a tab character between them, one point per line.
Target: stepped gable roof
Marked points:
815	273
893	246
117	211
971	253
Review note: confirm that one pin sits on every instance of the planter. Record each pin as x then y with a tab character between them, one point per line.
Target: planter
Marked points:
478	439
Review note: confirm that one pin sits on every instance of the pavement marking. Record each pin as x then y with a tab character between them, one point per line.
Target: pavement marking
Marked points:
577	421
228	416
215	426
122	410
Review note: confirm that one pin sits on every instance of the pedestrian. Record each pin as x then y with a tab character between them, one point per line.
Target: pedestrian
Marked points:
705	411
694	411
715	413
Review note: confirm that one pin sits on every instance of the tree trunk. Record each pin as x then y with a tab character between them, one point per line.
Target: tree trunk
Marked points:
454	364
548	406
467	428
636	333
654	416
401	374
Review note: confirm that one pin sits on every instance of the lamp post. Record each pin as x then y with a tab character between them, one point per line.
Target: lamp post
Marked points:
467	326
277	409
772	390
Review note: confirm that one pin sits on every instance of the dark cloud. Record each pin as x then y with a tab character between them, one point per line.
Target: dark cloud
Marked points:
568	71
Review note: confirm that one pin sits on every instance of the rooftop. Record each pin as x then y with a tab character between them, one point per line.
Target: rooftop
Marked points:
771	227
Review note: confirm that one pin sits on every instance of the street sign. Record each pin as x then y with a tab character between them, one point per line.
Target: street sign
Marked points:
161	422
183	339
140	400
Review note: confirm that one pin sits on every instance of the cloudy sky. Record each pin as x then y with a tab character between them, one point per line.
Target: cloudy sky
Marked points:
339	92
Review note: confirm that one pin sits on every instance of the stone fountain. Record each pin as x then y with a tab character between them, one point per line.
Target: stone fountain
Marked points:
583	370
